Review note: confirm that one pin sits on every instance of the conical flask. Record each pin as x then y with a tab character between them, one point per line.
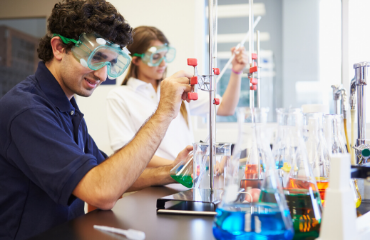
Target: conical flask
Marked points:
183	170
243	214
299	183
336	144
317	150
290	122
253	164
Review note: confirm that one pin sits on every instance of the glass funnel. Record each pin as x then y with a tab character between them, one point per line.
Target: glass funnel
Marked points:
243	213
336	144
317	150
299	183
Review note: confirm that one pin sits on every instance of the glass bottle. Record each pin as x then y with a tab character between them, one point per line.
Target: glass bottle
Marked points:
243	213
299	183
317	150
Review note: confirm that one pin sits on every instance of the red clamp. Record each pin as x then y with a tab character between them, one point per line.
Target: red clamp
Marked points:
254	56
253	87
253	81
193	80
192	62
192	96
216	101
253	69
216	71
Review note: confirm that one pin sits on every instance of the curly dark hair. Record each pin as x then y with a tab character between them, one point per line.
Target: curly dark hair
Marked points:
70	18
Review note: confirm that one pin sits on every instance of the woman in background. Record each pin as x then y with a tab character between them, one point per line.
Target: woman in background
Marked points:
131	104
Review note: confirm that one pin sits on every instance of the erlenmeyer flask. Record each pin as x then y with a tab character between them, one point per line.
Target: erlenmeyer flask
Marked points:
290	122
299	183
183	170
244	214
336	144
317	150
254	163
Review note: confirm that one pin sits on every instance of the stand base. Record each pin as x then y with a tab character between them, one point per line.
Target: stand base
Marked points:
191	202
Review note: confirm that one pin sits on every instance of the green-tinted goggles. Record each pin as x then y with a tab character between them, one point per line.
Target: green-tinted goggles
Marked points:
156	54
95	52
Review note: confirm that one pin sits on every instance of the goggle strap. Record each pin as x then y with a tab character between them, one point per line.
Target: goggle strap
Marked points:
65	39
138	55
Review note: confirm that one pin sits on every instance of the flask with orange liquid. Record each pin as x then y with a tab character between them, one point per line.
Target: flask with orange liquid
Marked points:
299	183
254	163
317	150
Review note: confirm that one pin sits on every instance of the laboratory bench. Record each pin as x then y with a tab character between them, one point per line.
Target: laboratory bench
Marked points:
138	211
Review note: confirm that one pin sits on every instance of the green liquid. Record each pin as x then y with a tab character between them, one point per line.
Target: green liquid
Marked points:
304	210
185	180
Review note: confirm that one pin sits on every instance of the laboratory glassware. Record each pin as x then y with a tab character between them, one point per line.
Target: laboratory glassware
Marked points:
254	163
317	150
183	170
242	213
299	183
336	144
290	123
201	168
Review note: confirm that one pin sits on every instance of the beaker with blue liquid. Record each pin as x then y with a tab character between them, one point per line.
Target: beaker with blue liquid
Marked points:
242	213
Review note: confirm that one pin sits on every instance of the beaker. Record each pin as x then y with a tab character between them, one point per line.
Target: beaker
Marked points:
243	213
317	150
336	144
299	183
201	174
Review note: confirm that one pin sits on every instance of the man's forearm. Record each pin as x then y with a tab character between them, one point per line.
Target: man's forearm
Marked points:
152	177
158	162
104	184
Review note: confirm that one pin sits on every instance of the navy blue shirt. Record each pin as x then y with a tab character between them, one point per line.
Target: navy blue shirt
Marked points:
45	150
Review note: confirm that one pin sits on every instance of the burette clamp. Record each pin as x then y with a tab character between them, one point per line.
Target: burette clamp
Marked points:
200	81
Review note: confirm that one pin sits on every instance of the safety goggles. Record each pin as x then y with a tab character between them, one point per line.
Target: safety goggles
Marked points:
156	54
95	52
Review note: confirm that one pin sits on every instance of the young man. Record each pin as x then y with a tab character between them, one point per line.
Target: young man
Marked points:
49	164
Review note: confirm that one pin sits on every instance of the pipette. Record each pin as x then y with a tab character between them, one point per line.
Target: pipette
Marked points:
130	233
236	48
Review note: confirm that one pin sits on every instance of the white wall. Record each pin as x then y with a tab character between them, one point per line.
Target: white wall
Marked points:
182	21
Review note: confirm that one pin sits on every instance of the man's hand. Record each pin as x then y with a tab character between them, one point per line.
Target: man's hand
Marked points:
173	90
240	60
182	155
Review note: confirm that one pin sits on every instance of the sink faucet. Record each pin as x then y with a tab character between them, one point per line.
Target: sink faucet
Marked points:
339	94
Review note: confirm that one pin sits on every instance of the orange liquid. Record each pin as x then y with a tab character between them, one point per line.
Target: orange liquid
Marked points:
322	186
251	171
297	184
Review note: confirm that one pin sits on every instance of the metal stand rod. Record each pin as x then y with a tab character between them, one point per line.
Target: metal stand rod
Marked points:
211	93
258	72
251	49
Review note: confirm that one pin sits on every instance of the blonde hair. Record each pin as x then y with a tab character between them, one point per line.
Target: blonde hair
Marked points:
143	38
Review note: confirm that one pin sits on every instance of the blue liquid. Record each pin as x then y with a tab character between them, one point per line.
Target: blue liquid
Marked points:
265	223
279	164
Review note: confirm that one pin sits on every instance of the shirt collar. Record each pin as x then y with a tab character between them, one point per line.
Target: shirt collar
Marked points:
135	83
53	90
